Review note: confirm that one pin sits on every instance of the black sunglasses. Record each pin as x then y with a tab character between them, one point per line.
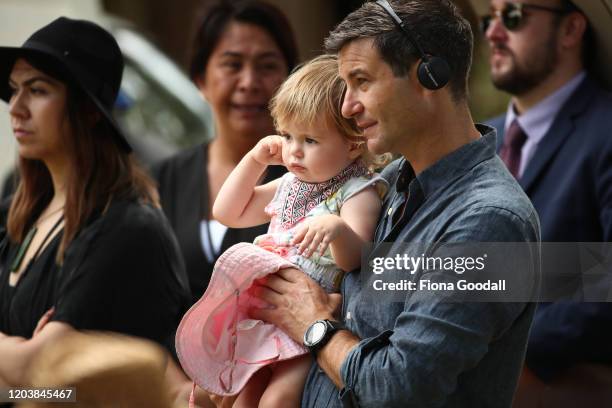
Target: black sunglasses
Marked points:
512	15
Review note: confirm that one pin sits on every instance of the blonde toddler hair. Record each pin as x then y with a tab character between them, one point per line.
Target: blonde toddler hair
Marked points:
315	88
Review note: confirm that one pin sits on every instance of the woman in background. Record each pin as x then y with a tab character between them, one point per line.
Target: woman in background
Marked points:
241	54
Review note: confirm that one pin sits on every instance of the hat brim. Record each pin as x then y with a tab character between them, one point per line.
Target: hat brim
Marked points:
214	353
99	364
8	56
599	14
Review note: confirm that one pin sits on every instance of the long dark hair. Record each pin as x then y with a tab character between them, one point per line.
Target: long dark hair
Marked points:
98	170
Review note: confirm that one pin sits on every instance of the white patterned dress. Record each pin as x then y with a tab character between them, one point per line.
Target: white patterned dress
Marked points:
294	203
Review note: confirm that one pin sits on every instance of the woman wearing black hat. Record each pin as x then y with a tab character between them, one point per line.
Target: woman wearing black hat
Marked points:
85	236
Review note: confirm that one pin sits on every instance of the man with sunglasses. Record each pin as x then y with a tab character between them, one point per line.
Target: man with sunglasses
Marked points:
555	58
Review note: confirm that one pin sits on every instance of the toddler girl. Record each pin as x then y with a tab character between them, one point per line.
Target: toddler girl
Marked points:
320	214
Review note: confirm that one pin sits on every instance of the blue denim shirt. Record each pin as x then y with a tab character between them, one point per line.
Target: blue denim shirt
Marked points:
424	351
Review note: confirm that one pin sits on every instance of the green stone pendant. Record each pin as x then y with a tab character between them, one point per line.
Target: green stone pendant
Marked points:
22	250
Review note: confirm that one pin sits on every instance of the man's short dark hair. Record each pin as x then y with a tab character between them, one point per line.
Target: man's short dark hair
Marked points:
436	24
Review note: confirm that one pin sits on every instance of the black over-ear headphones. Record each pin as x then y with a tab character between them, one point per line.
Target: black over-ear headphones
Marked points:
433	72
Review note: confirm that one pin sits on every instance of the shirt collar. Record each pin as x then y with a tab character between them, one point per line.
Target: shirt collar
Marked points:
536	121
451	166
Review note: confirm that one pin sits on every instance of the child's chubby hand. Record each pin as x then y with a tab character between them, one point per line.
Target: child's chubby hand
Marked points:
269	150
318	232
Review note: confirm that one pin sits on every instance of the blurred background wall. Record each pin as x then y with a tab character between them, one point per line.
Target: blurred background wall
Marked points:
170	23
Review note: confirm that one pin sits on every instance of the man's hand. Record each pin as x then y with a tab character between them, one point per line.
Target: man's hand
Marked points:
297	301
318	233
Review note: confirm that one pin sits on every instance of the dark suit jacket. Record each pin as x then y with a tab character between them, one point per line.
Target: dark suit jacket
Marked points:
569	180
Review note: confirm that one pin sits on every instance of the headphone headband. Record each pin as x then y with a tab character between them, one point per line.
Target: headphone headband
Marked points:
433	72
403	27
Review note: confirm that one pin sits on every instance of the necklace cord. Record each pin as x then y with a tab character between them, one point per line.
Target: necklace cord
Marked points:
30	236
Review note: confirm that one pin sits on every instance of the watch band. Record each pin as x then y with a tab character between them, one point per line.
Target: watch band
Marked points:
330	327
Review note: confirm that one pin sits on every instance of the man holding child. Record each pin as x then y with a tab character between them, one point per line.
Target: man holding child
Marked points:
406	65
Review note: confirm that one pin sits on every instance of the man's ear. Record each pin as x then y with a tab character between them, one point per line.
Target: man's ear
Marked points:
416	85
573	29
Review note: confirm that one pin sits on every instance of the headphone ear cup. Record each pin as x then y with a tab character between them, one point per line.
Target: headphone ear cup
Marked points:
434	74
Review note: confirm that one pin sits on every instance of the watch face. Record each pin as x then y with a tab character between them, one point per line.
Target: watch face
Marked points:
315	333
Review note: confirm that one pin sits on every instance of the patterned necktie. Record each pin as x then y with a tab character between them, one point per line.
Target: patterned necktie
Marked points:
510	152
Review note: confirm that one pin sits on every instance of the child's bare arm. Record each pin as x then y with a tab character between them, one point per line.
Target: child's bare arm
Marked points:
345	233
241	202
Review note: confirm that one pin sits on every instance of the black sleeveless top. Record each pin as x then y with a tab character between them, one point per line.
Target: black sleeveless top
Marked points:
123	273
21	306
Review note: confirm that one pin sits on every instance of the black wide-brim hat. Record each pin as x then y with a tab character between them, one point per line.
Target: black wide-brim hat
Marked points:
88	55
